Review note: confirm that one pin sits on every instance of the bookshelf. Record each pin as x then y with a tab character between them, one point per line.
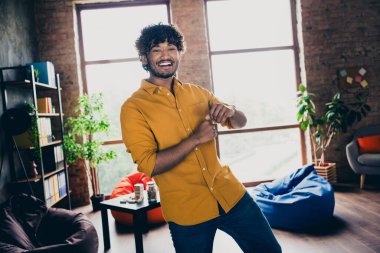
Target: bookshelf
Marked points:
41	146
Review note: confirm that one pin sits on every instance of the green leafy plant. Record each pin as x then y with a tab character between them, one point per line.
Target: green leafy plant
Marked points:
80	141
323	127
34	134
36	74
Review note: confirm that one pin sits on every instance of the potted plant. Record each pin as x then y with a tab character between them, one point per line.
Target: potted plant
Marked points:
36	75
323	127
81	142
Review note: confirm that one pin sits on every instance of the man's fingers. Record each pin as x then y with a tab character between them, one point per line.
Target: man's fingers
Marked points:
212	109
216	114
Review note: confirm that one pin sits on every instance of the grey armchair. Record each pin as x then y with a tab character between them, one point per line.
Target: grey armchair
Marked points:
367	163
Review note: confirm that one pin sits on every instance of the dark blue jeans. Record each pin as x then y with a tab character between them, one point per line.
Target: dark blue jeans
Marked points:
245	223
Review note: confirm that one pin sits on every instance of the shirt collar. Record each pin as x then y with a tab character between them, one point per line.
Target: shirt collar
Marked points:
152	88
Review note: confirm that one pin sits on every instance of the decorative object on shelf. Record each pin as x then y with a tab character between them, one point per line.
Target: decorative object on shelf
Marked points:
80	141
32	169
323	127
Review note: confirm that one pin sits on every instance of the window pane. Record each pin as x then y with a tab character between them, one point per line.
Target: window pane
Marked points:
249	24
117	81
259	156
261	84
111	33
110	173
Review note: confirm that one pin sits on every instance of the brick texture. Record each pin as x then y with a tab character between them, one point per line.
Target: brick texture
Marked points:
340	34
189	16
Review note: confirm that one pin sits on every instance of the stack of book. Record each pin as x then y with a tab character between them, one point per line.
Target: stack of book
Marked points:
45	131
55	188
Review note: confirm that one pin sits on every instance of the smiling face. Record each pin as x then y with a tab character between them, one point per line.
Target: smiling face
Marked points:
162	60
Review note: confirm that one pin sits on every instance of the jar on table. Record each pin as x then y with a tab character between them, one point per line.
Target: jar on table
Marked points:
152	192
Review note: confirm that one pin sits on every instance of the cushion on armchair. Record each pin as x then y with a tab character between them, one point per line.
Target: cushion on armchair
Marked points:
369	144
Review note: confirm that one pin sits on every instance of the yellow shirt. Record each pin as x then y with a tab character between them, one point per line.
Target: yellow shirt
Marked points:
153	119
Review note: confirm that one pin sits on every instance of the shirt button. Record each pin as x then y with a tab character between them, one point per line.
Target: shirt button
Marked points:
196	148
188	129
211	188
179	109
204	169
167	94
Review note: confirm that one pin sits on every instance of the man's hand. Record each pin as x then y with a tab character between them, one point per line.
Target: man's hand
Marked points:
219	113
170	157
206	131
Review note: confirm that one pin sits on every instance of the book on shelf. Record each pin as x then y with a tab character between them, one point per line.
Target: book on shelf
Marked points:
53	158
26	139
44	105
55	188
62	184
45	130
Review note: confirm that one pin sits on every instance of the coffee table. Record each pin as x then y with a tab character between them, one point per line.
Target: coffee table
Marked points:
138	210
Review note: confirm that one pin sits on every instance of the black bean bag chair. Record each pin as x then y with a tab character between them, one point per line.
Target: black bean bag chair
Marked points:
27	225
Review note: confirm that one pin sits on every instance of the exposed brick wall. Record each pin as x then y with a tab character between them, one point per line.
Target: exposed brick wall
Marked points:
56	37
340	34
189	16
56	43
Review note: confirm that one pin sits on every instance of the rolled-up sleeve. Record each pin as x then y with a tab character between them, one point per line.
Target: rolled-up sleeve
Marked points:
213	100
138	138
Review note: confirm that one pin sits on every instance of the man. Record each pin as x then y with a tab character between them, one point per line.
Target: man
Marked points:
169	129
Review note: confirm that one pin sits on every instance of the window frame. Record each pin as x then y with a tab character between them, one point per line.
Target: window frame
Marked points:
83	63
295	48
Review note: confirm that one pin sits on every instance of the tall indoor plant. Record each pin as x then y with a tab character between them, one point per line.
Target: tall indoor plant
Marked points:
323	127
81	142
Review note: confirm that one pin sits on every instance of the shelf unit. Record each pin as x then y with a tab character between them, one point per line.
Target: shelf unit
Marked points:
18	86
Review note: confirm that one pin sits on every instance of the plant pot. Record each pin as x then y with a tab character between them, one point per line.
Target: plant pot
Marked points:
326	170
95	200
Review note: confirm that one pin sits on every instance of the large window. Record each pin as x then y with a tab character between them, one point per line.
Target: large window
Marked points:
111	66
253	58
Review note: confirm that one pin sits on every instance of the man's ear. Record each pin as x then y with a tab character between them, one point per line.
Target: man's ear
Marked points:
143	59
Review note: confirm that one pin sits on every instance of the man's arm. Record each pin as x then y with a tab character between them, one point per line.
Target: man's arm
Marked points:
170	157
220	113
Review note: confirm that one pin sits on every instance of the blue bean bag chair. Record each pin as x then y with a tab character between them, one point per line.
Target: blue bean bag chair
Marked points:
298	201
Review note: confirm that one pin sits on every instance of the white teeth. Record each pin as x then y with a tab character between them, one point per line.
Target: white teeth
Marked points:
164	64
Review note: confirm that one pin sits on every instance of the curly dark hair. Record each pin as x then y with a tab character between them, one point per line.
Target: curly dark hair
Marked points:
155	34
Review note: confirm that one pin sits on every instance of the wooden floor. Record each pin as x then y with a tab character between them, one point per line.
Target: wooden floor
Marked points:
355	228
